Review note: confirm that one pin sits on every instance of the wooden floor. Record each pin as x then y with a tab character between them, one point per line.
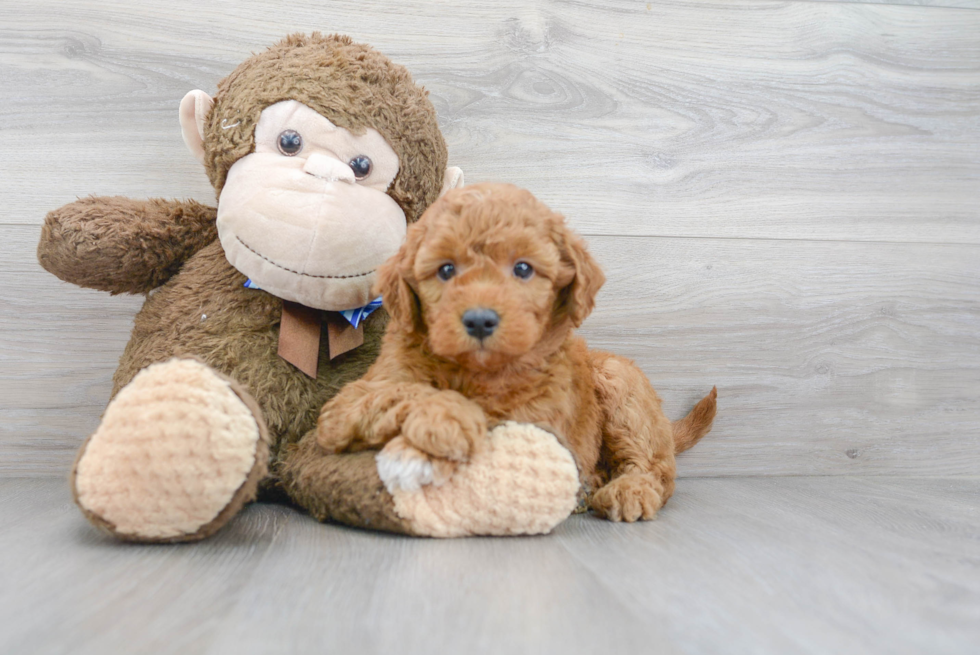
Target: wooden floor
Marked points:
750	565
785	197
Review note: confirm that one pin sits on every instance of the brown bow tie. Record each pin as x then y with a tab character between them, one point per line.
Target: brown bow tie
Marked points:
299	335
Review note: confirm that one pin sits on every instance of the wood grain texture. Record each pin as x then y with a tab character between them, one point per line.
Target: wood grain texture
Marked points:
957	4
830	358
785	197
783	136
737	119
804	565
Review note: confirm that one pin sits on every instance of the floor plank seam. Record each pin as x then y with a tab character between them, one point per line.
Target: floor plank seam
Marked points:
605	235
881	4
786	239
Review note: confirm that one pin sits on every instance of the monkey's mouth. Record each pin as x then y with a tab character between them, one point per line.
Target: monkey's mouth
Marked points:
295	272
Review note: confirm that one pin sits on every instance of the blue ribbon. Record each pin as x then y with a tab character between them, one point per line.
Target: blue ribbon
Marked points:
358	314
353	316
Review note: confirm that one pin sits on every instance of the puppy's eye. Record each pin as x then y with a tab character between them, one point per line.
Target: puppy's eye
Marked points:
290	142
523	270
361	165
446	271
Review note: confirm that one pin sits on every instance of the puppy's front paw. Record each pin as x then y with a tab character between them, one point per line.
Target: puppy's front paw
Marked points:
403	467
629	498
446	426
331	432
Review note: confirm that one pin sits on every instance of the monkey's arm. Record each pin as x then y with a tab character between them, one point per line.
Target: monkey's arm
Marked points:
121	245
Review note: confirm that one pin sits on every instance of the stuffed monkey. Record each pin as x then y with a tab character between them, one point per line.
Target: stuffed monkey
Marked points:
258	311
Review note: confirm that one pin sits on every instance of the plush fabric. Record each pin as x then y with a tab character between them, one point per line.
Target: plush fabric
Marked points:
353	86
321	137
121	245
283	249
344	488
174	449
200	376
205	311
194	107
524	482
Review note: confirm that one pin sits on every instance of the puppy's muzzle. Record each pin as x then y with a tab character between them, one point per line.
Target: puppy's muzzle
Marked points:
480	322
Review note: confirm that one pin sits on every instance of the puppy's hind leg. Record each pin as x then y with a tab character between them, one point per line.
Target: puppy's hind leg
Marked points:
637	443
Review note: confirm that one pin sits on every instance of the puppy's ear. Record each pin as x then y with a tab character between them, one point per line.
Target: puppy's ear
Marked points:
577	296
394	284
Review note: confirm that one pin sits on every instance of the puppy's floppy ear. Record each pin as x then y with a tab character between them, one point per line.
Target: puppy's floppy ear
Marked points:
394	284
582	280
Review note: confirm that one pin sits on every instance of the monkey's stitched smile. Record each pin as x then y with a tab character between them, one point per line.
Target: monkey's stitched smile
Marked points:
289	270
297	219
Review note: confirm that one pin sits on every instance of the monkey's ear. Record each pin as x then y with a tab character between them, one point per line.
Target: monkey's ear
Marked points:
453	179
394	285
578	297
194	110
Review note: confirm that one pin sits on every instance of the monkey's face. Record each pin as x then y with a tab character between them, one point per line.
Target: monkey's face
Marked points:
307	215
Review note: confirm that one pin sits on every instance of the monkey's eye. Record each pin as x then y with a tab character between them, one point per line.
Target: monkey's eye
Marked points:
446	271
361	165
523	270
290	142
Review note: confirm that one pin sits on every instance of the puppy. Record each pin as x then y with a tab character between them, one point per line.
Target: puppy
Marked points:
483	298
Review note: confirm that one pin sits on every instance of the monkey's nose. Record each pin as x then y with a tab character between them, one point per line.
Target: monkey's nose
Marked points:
328	168
480	322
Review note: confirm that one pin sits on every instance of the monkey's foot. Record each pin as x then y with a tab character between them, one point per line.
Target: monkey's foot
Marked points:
523	482
179	451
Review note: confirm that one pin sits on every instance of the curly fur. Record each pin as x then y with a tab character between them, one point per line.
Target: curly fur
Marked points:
440	388
199	307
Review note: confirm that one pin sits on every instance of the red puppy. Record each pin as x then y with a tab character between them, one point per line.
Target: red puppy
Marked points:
483	297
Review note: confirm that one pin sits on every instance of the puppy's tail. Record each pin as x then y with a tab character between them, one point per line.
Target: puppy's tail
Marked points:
689	430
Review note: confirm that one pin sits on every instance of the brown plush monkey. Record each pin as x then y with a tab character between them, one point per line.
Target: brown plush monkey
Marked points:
320	151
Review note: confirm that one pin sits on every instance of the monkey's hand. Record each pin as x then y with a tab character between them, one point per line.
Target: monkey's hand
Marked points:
121	245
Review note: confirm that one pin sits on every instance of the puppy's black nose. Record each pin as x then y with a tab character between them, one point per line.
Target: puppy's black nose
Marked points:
480	322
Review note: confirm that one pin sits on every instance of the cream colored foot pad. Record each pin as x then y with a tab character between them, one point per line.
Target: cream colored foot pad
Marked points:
173	448
524	483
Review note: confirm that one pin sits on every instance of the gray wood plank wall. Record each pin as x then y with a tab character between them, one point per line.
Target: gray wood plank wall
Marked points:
785	197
